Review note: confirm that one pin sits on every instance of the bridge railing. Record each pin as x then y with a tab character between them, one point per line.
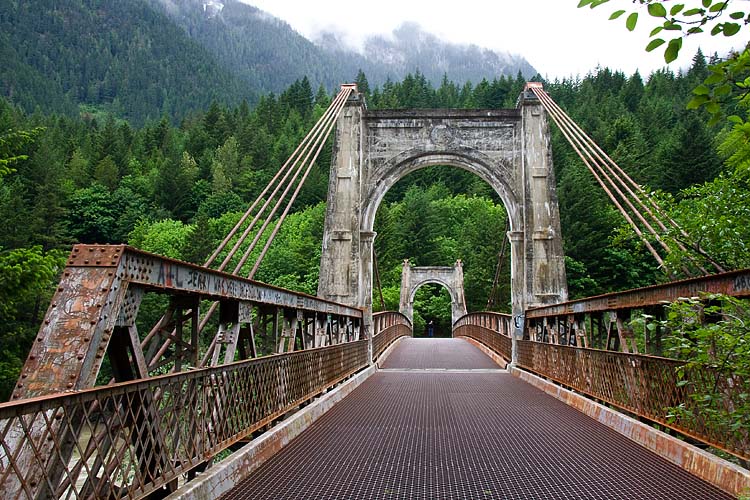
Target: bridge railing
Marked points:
388	326
591	346
494	330
127	439
650	387
131	439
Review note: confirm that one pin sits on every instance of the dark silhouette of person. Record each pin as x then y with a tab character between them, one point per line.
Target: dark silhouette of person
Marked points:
431	329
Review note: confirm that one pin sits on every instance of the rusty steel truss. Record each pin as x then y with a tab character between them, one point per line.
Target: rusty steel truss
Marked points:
390	326
135	438
604	321
94	314
590	346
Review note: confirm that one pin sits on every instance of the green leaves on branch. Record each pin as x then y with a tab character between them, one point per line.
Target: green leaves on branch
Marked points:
691	21
729	79
657	10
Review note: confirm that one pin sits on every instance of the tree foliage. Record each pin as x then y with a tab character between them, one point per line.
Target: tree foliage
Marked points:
729	79
178	189
712	335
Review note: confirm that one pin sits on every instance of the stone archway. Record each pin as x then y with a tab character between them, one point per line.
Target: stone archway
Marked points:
508	148
449	277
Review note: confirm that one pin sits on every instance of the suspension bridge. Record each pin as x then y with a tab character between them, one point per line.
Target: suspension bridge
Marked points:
245	390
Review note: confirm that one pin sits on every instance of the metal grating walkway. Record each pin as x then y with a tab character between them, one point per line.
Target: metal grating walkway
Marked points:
459	435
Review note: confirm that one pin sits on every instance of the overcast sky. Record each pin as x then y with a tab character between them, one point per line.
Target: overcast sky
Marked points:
557	38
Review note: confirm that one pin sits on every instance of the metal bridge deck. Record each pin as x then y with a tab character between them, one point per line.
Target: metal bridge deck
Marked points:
431	434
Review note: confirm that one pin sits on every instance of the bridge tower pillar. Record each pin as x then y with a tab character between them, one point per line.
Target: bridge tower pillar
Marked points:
346	262
450	277
509	149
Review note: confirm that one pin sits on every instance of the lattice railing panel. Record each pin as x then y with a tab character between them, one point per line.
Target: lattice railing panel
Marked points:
127	440
651	387
388	327
491	329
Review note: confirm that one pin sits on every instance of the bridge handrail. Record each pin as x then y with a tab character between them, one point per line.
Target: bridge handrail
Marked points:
734	283
648	386
213	284
479	314
388	327
171	423
492	329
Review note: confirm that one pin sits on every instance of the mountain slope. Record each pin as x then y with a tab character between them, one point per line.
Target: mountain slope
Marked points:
119	55
142	59
268	54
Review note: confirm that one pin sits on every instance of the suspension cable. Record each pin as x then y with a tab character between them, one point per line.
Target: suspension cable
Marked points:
327	125
377	279
492	299
313	141
616	173
618	185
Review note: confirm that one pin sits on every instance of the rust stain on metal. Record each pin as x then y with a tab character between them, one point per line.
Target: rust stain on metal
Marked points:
183	419
735	283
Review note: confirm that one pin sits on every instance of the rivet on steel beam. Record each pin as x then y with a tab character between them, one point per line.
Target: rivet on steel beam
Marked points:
32	357
91	249
98	355
40	339
86	339
76	249
98	262
54	304
24	375
80	356
72	377
86	261
70	385
92	322
20	386
59	289
46	322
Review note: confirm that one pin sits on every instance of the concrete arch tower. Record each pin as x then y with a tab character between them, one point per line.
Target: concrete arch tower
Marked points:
508	148
449	277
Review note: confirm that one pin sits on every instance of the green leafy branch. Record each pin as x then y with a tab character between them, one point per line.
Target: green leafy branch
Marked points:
729	78
681	21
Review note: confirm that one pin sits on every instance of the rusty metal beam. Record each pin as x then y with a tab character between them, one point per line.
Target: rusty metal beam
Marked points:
91	301
734	283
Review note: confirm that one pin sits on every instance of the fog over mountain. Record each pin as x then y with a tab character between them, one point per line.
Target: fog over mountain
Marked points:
409	48
270	54
143	59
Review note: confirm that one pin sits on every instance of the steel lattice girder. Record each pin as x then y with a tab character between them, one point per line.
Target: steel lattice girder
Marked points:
91	298
734	283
